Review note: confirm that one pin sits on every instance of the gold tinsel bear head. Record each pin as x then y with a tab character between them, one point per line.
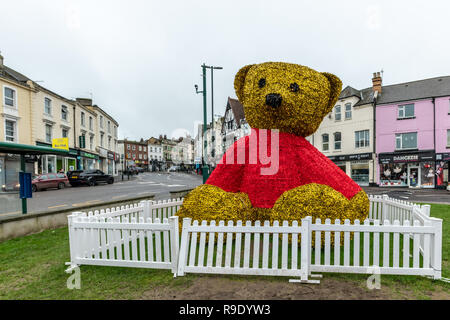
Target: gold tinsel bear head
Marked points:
286	96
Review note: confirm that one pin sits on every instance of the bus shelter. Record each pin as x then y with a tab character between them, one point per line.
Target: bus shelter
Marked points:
14	159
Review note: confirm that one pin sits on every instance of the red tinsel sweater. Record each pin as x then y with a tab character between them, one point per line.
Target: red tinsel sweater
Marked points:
299	163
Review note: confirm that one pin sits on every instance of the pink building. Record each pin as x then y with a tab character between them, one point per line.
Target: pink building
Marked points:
412	129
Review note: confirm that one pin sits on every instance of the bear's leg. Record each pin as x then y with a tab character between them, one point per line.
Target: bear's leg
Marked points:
320	201
208	202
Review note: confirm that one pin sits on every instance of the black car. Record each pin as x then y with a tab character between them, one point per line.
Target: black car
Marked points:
89	177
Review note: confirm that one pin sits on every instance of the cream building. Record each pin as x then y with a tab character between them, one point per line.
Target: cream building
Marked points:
346	135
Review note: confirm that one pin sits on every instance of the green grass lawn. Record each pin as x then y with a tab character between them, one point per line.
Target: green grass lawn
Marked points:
32	267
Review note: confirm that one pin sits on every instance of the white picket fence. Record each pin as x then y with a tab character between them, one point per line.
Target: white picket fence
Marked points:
143	235
397	238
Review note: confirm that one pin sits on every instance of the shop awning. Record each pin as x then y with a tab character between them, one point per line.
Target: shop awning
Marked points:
9	147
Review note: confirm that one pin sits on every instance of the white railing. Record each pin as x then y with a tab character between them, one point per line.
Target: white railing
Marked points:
397	238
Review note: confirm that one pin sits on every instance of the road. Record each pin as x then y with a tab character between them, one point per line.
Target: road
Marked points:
158	184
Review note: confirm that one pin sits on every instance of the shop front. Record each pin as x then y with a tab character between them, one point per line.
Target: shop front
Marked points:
54	163
116	163
87	160
413	170
110	162
103	159
358	166
442	164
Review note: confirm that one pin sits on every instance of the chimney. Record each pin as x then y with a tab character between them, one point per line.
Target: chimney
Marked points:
376	82
1	61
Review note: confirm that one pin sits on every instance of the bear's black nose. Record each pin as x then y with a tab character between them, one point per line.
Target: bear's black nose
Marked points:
273	100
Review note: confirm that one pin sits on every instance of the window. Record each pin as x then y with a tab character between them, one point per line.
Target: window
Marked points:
48	133
109	143
109	126
406	140
101	121
128	155
10	130
82	119
325	142
128	147
91	123
91	143
361	139
64	113
47	106
337	141
406	111
65	133
10	97
140	156
140	148
337	113
101	139
348	111
145	149
145	157
134	147
151	149
448	138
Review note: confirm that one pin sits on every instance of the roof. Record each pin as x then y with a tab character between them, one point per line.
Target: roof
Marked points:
238	110
14	75
408	91
349	92
415	90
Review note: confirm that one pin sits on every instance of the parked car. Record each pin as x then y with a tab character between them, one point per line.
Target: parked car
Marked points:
49	180
139	169
174	169
89	177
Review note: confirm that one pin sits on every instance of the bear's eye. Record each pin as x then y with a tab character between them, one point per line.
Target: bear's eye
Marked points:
261	82
294	87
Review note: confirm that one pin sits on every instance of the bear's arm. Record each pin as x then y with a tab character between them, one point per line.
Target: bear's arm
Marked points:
228	173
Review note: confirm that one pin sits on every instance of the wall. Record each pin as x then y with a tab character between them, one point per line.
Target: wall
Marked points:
23	112
387	125
442	124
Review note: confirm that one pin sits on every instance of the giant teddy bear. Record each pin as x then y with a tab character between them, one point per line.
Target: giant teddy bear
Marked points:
285	102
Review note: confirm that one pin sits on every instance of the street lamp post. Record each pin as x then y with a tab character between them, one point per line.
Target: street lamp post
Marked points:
205	168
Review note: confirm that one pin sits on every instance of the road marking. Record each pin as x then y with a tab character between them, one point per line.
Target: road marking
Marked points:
85	203
122	195
58	206
7	213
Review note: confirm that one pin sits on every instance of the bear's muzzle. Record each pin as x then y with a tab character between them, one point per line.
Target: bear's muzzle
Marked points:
273	100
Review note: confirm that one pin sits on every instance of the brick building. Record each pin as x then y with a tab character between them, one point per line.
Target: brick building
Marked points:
135	153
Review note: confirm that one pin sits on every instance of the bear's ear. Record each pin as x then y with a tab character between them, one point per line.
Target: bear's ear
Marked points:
239	81
336	87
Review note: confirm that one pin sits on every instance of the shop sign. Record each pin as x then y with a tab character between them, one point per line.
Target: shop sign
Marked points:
110	155
88	155
443	157
60	143
351	157
103	152
402	158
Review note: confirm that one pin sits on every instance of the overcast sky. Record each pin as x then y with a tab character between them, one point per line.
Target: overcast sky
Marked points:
141	59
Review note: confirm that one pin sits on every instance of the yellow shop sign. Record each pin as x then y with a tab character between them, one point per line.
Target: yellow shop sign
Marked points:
60	143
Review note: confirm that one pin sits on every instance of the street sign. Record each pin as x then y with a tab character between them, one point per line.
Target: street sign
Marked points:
60	143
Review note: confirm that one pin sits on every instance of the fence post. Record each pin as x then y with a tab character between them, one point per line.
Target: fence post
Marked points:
426	209
305	249
184	246
72	236
146	212
175	242
436	258
384	207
